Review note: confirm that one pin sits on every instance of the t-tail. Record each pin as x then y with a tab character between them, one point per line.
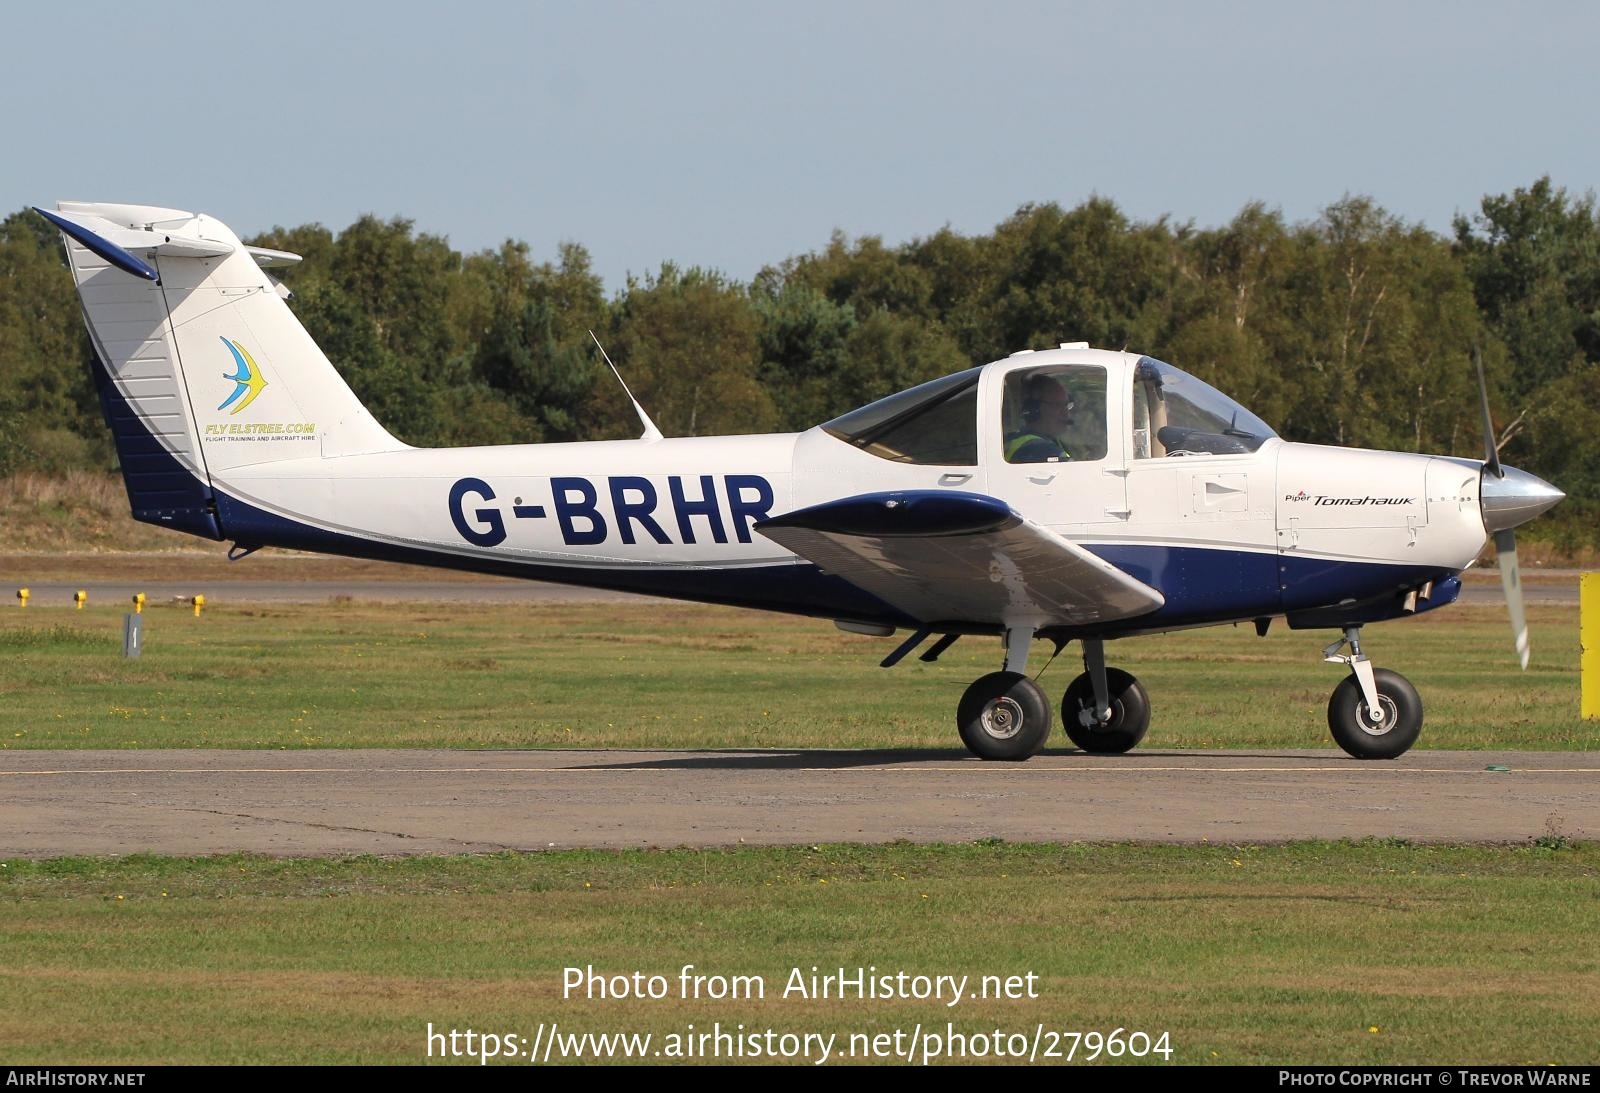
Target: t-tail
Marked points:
200	366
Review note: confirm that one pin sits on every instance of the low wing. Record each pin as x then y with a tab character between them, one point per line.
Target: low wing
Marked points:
947	557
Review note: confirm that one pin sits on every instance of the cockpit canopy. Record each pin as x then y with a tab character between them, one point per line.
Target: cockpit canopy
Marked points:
1053	412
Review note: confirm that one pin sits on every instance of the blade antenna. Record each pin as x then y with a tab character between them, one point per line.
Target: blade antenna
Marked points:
650	430
1491	463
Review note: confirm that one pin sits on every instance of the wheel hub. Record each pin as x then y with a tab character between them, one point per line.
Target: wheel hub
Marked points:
1088	719
1391	717
1002	718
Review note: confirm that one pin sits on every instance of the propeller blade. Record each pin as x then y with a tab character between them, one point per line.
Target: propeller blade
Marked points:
1491	462
1505	552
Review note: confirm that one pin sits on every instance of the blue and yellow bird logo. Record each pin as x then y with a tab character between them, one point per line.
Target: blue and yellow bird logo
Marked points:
248	378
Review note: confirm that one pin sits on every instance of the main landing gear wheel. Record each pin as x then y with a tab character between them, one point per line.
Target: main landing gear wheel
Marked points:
1130	713
1004	715
1391	735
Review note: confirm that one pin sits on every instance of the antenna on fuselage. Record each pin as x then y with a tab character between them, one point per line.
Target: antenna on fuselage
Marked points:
650	430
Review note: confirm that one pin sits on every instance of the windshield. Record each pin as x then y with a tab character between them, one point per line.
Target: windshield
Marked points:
1176	414
935	422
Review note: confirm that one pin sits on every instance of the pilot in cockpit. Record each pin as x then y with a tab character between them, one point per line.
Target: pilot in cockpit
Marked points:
1046	415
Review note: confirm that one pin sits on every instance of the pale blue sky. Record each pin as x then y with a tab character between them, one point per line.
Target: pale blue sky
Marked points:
733	135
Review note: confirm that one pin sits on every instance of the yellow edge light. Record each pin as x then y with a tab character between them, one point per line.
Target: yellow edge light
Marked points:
1589	636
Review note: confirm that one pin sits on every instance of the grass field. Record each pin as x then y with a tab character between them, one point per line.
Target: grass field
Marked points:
348	674
1377	953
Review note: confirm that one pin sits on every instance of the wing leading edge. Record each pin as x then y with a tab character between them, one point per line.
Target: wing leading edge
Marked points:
949	557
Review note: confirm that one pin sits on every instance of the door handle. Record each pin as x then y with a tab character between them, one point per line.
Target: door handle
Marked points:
954	479
1041	479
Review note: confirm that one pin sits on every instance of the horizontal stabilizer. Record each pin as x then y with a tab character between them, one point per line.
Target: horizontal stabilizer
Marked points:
272	259
99	245
118	243
961	558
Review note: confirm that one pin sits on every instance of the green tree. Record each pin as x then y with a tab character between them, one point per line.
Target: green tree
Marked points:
348	335
536	347
312	242
1533	257
49	412
864	275
687	344
1378	342
1086	274
804	341
960	273
1233	320
888	352
401	282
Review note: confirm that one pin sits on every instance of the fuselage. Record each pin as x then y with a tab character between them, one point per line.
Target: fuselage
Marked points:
1237	534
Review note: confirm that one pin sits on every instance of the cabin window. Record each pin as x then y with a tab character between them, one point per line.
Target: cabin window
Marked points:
1054	414
934	423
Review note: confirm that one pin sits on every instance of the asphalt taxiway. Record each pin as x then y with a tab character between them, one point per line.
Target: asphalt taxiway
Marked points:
294	803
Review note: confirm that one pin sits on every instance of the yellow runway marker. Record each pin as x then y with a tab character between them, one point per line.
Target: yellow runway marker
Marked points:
1589	638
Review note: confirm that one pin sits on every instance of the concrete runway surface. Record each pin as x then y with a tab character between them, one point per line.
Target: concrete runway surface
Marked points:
445	802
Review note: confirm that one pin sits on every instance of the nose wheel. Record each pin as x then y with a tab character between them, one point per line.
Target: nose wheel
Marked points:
1373	713
1387	736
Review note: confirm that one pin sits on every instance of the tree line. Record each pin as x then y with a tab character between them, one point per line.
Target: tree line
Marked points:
1352	328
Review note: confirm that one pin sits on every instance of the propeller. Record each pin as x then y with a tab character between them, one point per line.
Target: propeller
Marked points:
1509	498
1491	450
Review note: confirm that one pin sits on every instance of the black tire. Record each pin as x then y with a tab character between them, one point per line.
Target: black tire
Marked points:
1004	716
1130	714
1353	729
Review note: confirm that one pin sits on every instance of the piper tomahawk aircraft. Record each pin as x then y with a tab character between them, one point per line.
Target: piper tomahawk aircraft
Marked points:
1069	494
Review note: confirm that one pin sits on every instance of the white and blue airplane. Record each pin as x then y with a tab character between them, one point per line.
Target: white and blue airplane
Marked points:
1067	494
